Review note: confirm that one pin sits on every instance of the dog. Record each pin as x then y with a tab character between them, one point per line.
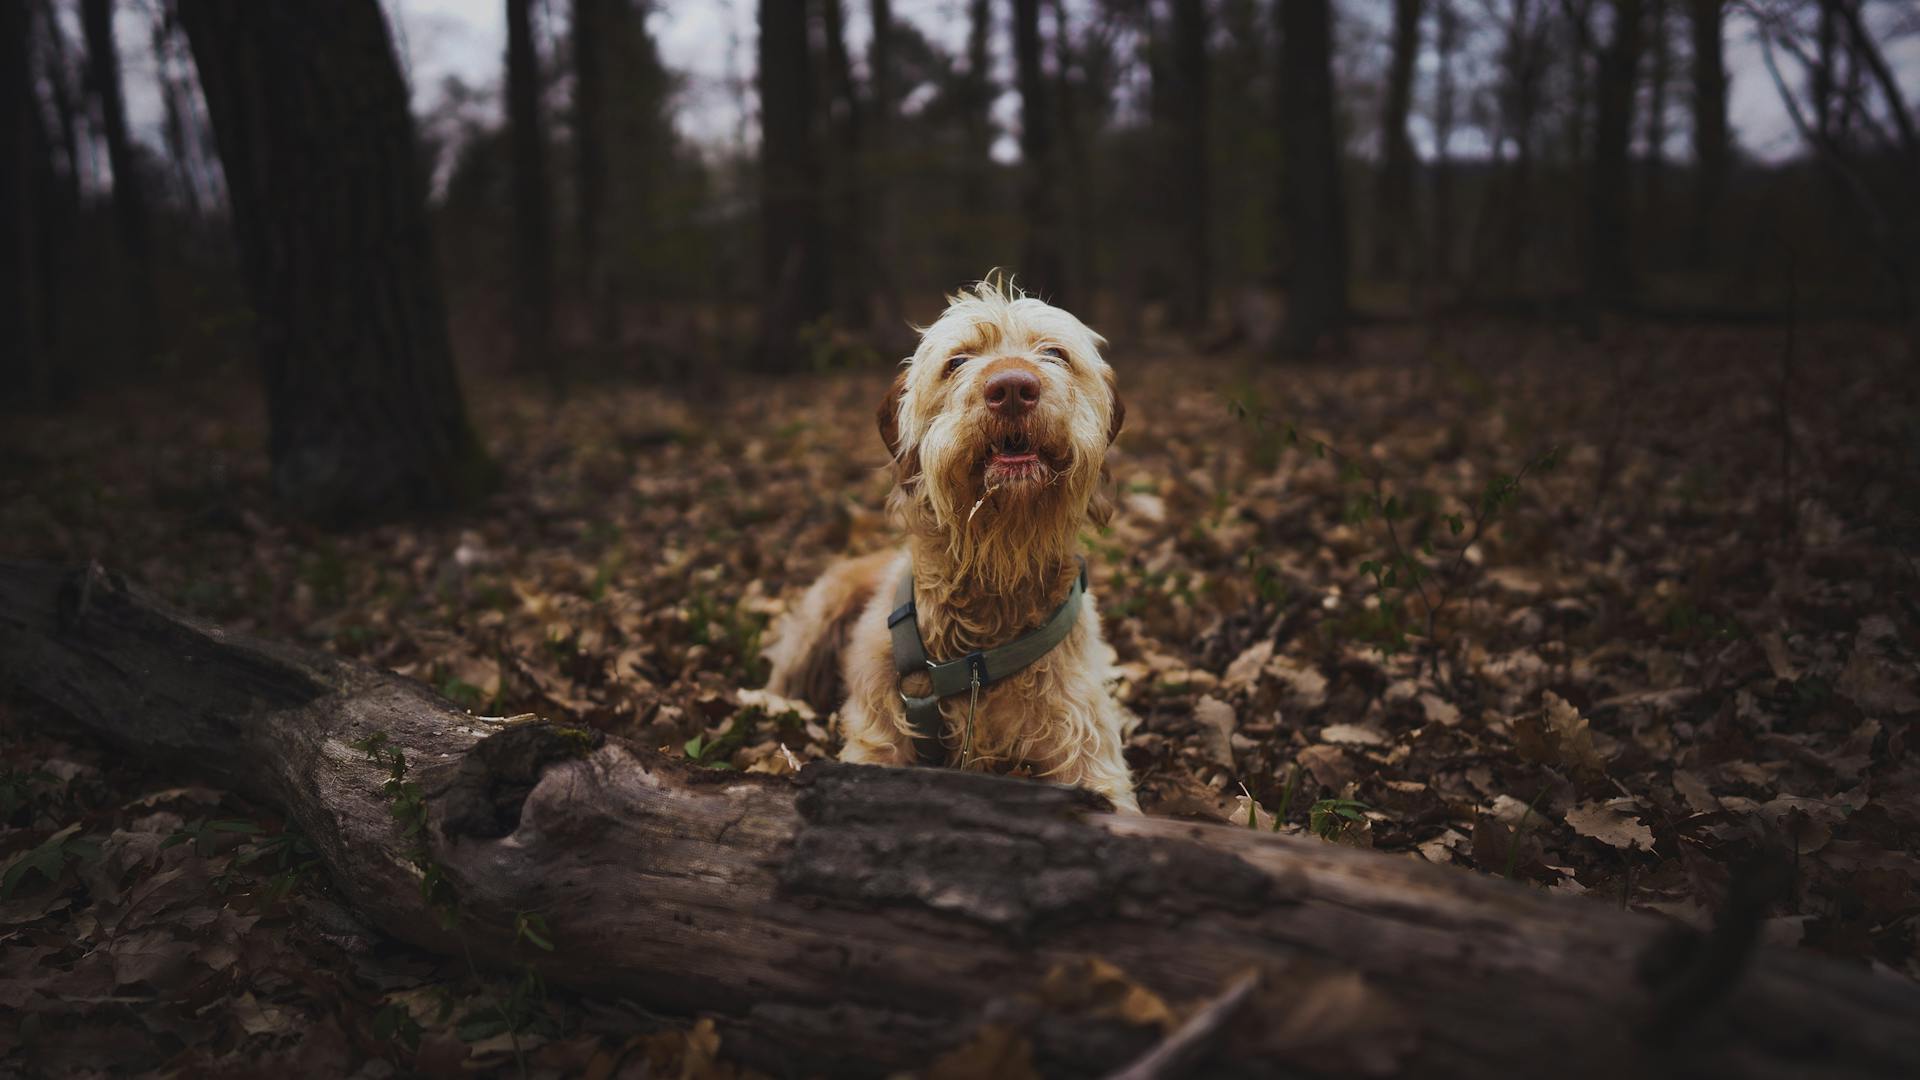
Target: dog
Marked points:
998	428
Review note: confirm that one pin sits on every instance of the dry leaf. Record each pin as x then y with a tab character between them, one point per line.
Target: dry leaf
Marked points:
995	1052
1214	719
1354	735
1612	823
1098	989
1557	735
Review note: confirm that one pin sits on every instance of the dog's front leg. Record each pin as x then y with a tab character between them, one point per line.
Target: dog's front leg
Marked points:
872	740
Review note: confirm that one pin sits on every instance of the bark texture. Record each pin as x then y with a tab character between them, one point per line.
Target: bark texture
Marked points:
793	223
1311	188
129	188
1043	265
1609	245
1192	192
532	215
593	21
329	213
1712	151
858	920
20	363
1394	218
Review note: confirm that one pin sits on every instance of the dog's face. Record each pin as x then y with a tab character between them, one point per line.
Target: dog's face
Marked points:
1000	422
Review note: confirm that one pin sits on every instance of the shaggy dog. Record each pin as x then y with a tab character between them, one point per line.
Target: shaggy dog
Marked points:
998	427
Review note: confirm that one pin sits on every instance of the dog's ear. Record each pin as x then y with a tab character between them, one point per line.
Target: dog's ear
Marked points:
1119	414
889	414
1100	505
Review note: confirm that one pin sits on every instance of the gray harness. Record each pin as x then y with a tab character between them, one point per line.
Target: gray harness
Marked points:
969	673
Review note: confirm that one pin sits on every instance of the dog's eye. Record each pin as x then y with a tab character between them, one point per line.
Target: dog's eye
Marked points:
1054	353
953	363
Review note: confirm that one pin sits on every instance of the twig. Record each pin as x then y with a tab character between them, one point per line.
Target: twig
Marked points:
1184	1045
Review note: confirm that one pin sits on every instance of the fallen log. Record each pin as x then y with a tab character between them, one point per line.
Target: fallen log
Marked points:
860	920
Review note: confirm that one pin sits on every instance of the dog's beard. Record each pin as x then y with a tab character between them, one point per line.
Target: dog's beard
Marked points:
1004	502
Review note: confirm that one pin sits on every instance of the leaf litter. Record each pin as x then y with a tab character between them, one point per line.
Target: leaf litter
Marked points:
1641	666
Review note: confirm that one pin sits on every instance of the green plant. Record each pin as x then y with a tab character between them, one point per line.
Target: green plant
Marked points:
49	859
1327	817
204	834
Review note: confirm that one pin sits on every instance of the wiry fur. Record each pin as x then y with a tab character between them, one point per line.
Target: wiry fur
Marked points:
984	576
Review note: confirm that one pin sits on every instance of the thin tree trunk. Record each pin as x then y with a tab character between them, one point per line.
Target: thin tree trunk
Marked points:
1712	151
1394	215
848	172
1043	264
329	213
21	365
1446	41
978	113
880	169
1076	156
592	31
130	214
795	260
532	215
1659	70
1311	188
856	920
1193	187
1609	245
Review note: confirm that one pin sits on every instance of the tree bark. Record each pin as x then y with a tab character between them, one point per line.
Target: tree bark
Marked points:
858	920
1446	40
1394	215
21	369
129	189
795	255
977	109
591	28
1043	263
329	213
1311	188
1609	244
1193	183
1659	70
1712	152
532	215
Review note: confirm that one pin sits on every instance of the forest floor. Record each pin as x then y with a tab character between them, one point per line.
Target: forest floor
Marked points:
1607	619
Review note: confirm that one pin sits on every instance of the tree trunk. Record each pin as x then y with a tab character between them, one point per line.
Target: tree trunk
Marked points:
22	373
591	40
532	216
858	920
1311	189
881	171
1043	263
129	191
1712	151
849	174
1609	245
1446	40
977	110
794	231
1659	68
329	213
1394	216
1193	185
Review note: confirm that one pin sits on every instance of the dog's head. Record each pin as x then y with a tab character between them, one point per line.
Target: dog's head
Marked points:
998	426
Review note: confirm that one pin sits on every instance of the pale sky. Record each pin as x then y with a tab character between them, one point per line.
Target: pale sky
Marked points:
711	44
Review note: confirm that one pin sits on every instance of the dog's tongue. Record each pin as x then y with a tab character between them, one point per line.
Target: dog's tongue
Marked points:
1021	457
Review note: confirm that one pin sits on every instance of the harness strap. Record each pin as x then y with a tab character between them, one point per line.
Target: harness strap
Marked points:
978	668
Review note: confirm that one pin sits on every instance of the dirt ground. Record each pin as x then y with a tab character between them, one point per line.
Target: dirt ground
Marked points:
1613	618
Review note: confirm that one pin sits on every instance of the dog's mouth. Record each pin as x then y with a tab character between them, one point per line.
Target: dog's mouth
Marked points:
1015	455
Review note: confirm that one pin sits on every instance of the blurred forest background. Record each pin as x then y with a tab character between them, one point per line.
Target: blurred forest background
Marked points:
1162	166
1518	468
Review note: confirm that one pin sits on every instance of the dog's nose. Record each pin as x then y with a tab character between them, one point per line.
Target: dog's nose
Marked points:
1012	392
